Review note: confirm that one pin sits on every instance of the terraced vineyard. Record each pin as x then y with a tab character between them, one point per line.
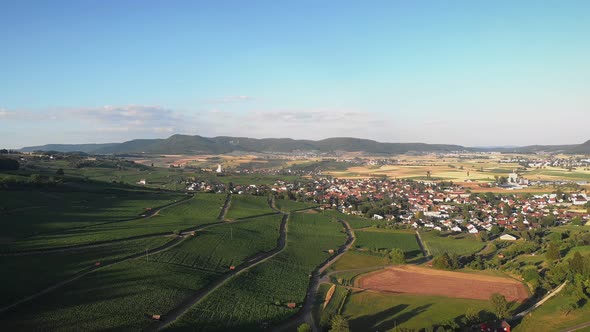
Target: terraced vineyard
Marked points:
259	297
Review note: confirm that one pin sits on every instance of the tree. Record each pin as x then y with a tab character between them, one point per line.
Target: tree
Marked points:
566	309
36	179
471	316
339	324
304	328
60	172
499	305
553	253
495	230
442	262
9	164
397	256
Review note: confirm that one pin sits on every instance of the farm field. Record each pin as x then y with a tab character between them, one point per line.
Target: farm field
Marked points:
377	239
322	310
117	297
261	294
549	316
25	275
371	311
244	206
199	210
358	260
424	281
461	244
159	281
27	213
219	247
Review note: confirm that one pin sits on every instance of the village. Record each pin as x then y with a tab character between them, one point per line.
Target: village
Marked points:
442	206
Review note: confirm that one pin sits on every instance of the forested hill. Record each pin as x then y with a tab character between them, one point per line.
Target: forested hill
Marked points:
185	144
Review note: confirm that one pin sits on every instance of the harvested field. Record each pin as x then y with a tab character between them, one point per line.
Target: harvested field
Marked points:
424	281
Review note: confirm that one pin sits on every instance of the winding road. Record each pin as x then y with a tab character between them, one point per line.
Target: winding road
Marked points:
305	314
186	305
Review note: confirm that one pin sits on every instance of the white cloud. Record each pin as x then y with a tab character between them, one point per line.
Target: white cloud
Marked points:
231	99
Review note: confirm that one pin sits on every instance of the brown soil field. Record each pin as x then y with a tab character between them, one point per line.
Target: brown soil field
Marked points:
424	281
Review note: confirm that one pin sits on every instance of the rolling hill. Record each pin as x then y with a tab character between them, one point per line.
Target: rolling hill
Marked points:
186	144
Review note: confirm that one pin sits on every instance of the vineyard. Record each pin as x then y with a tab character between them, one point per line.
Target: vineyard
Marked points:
36	212
199	210
244	206
217	248
259	297
44	270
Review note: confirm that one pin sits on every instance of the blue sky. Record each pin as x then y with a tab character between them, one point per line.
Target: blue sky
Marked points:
463	72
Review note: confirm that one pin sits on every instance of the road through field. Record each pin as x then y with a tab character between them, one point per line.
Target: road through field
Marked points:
186	305
173	243
305	315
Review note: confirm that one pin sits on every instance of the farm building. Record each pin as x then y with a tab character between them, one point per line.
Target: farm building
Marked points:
508	237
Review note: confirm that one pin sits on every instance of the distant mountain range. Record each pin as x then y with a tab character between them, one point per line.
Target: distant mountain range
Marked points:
185	144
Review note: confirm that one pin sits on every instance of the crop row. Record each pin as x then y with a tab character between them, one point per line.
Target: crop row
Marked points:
259	297
243	206
201	209
220	247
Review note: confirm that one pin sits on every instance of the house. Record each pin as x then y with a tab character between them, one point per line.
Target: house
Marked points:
377	217
507	237
142	182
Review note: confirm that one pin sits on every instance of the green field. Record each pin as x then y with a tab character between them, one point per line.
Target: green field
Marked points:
199	210
25	275
30	212
461	244
549	316
114	298
287	205
370	311
377	239
244	206
156	283
321	314
261	294
217	248
358	260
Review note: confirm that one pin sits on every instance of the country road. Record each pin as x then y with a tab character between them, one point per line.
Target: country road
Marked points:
305	314
186	305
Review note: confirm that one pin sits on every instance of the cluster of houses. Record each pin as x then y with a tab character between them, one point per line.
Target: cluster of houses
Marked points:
440	206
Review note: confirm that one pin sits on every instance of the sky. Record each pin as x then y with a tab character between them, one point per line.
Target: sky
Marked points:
475	73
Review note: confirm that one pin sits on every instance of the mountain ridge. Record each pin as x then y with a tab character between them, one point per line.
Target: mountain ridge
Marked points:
193	144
